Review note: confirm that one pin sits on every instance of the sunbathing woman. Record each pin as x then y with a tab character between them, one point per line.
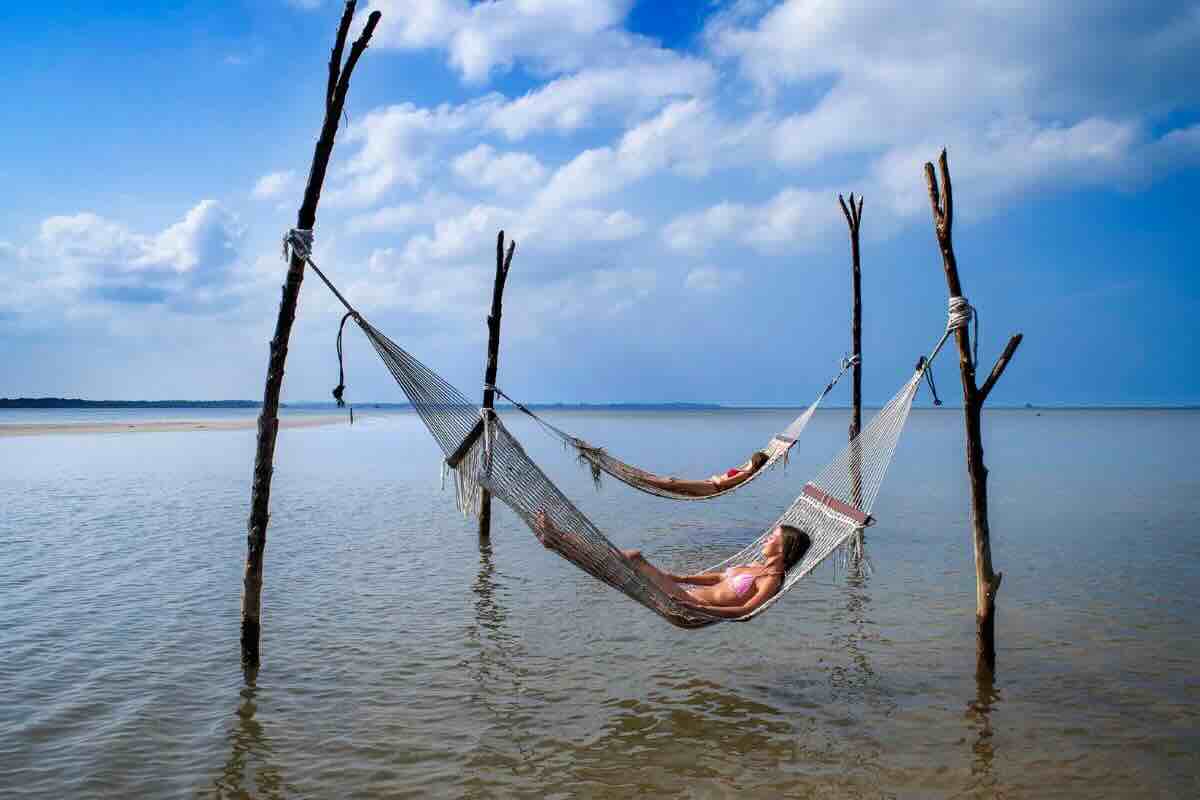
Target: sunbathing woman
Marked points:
733	593
717	483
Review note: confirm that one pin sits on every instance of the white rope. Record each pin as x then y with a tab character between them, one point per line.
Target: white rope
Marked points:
961	313
299	240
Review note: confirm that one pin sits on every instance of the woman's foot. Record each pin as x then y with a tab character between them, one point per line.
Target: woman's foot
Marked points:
545	531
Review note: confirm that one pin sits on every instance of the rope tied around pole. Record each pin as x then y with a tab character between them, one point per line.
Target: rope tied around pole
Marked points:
298	240
961	312
847	363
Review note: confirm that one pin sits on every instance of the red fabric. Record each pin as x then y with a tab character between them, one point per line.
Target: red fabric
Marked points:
733	472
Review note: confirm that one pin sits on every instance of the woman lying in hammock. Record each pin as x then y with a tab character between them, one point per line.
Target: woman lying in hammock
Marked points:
733	593
717	483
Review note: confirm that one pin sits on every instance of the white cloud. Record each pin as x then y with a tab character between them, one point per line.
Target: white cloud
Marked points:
886	76
503	172
397	280
274	184
397	145
792	217
82	258
639	86
454	237
431	206
673	139
551	35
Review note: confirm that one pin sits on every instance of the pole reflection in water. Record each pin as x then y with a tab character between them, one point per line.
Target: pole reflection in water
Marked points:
248	772
852	629
983	749
495	671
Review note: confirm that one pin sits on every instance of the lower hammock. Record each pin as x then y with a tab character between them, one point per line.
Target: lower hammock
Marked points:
832	507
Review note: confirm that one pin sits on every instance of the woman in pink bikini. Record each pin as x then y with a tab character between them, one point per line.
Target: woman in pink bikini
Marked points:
733	593
717	483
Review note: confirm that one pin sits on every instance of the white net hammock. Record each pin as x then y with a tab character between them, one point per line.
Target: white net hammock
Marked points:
831	508
600	461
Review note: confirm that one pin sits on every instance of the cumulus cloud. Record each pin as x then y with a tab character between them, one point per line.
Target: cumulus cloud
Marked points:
84	257
504	172
888	76
482	37
396	145
274	184
790	218
676	138
636	87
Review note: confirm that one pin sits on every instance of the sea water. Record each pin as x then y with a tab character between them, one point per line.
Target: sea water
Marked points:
403	657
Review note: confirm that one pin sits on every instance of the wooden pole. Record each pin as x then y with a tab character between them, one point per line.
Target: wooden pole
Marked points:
268	419
503	262
987	581
853	215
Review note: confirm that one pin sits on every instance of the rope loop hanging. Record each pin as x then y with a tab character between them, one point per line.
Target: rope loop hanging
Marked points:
340	389
925	365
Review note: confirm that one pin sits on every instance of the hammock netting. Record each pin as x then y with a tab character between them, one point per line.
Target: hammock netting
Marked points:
601	461
484	455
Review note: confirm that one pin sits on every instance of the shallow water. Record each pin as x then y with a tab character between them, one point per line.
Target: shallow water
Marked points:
401	658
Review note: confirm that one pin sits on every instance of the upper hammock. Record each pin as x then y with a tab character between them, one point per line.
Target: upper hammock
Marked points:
600	460
477	445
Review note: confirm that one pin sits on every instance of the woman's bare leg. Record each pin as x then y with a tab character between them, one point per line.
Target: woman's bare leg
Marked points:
693	488
660	579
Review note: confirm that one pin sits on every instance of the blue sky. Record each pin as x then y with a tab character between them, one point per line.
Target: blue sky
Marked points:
670	172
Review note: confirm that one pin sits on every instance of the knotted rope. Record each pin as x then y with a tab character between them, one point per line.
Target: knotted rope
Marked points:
961	313
299	240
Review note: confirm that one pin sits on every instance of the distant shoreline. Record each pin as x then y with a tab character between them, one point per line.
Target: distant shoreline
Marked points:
66	403
159	426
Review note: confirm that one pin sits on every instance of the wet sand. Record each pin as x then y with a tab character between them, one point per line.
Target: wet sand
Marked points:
151	426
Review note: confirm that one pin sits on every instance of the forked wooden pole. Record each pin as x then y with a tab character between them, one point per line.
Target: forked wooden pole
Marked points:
268	419
503	262
853	215
987	581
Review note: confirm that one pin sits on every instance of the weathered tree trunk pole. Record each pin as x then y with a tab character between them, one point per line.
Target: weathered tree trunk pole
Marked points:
503	262
854	221
268	419
987	582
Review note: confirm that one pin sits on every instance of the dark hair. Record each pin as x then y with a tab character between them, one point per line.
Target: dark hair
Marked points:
757	459
795	545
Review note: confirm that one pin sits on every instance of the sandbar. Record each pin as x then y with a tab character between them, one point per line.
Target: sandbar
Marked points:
161	426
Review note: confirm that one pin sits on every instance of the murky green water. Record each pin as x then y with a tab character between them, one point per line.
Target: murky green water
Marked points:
401	658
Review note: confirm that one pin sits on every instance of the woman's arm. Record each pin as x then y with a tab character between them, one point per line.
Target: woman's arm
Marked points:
700	578
763	590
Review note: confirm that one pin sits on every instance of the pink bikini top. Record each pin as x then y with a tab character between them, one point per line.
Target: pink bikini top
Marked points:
732	472
743	582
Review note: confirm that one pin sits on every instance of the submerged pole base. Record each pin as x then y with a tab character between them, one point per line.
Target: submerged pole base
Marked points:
251	636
